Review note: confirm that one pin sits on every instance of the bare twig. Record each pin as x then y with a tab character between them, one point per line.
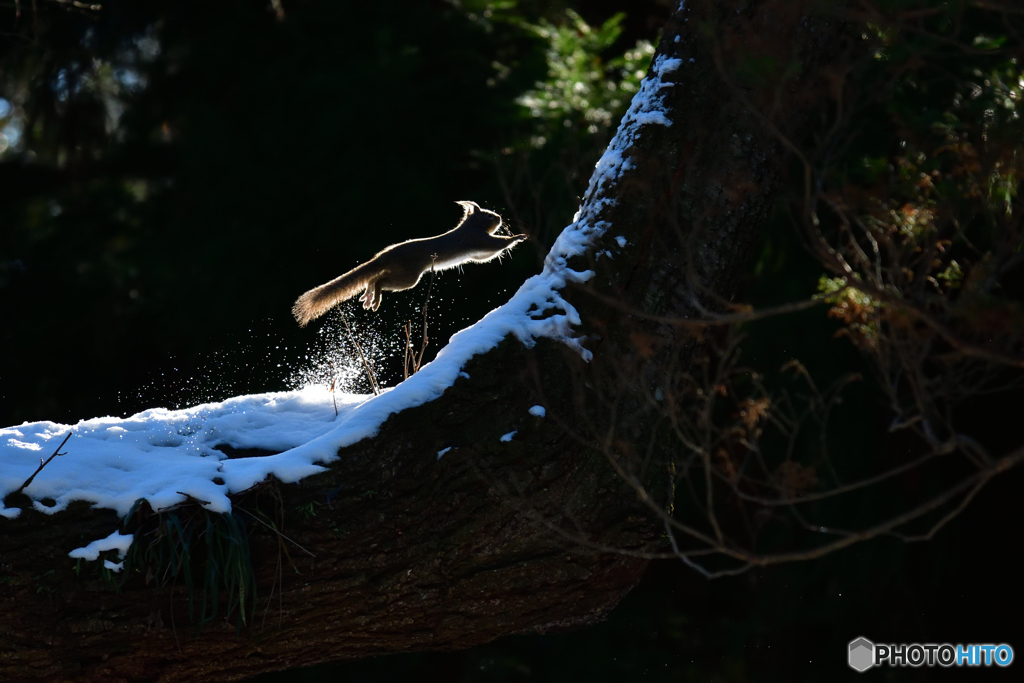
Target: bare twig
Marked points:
359	349
334	381
277	532
408	349
411	357
426	306
44	463
79	5
713	319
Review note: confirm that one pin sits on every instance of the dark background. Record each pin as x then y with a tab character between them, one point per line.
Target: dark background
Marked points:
152	261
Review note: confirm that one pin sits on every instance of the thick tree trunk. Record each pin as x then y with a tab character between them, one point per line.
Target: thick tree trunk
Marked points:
413	552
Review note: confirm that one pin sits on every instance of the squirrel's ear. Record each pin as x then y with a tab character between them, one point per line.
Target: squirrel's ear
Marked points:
468	208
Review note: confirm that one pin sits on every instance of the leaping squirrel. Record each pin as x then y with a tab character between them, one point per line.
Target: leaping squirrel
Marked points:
401	265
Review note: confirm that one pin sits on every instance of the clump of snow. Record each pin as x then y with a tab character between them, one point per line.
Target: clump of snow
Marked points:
115	541
166	456
537	411
441	452
621	241
508	437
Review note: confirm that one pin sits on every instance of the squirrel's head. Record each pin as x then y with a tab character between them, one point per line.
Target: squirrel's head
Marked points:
471	212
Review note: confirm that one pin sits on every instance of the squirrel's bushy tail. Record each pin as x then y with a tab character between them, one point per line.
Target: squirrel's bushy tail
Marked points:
319	300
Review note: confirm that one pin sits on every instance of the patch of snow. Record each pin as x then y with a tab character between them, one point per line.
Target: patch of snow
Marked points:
538	411
441	452
621	241
508	437
115	541
165	455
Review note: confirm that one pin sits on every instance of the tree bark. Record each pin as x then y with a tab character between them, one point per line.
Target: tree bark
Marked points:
416	553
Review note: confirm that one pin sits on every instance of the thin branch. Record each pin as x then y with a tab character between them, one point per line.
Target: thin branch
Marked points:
79	5
411	357
359	349
43	463
277	532
334	382
408	349
722	319
426	306
965	347
840	490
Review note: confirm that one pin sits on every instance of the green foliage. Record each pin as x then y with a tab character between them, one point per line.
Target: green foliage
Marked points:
207	551
925	178
857	311
308	511
583	90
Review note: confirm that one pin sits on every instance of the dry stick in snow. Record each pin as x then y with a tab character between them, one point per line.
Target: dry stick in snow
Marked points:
417	361
369	370
44	463
408	349
334	382
426	306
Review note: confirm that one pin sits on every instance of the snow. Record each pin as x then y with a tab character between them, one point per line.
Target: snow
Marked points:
508	437
440	453
538	411
621	241
115	541
167	456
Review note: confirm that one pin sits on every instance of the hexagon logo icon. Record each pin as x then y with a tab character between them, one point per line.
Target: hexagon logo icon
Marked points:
862	654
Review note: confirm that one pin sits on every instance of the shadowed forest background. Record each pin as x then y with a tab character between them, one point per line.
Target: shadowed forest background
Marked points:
174	174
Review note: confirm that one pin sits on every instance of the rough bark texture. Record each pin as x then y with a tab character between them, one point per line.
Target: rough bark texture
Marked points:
416	553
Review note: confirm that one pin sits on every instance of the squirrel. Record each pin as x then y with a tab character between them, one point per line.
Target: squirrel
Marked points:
401	265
